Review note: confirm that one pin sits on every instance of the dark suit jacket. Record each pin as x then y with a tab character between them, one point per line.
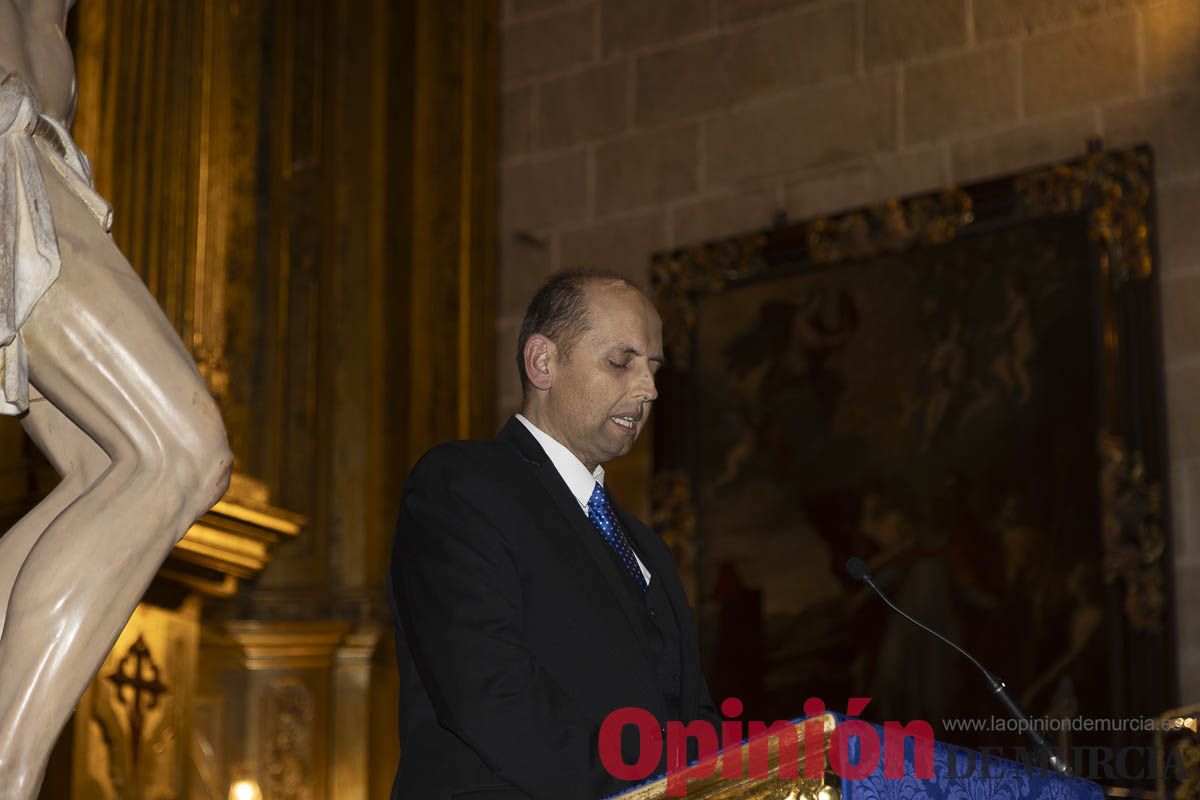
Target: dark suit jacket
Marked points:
515	636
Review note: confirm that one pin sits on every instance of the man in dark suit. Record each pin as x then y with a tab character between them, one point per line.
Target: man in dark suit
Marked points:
529	605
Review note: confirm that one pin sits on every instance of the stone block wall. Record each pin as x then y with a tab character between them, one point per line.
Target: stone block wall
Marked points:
630	126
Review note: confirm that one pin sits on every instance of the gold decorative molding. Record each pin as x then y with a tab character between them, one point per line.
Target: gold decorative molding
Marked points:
298	696
133	726
676	278
717	787
1178	730
891	226
288	716
1115	188
233	541
283	645
1132	533
674	517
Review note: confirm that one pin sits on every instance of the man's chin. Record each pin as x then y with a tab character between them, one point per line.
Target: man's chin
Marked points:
624	446
618	445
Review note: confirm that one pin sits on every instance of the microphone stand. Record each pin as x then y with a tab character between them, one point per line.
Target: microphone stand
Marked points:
859	571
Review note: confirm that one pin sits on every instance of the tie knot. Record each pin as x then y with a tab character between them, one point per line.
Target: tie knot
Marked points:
599	499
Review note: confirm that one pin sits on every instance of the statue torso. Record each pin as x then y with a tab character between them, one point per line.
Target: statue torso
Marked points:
32	43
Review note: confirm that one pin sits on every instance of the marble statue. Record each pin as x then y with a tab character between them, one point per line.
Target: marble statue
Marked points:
105	388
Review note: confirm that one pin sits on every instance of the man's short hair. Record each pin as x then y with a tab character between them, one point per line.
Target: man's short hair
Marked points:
559	312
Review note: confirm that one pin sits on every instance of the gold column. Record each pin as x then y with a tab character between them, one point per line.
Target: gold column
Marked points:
454	179
273	684
352	689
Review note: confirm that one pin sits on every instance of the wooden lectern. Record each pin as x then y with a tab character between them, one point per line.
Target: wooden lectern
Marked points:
717	787
957	774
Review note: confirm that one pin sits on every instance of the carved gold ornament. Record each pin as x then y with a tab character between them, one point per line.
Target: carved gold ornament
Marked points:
1132	533
1116	189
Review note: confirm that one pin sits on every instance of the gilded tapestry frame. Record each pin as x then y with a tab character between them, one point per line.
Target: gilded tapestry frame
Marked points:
1112	194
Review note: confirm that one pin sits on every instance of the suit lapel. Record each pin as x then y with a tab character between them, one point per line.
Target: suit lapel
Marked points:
592	542
577	522
662	568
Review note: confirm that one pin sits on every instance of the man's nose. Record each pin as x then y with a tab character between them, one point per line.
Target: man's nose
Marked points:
646	386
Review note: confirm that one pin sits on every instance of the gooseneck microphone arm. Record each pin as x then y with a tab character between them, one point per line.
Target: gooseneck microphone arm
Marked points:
859	571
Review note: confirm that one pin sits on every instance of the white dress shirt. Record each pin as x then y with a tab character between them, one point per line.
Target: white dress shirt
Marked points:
575	475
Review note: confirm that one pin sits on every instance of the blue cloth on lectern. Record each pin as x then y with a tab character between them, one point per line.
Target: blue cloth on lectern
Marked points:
963	774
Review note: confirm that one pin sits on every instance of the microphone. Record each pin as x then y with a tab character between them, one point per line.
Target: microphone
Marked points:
859	571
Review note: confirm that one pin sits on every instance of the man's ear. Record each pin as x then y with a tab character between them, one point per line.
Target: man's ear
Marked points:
538	356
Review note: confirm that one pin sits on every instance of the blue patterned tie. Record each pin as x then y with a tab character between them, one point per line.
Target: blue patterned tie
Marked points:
600	512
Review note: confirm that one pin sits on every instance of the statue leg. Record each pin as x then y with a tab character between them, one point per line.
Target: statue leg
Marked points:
75	457
101	351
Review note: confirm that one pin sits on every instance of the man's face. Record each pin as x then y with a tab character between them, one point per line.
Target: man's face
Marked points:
600	395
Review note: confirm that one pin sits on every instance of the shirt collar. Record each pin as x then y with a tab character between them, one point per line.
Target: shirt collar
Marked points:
581	482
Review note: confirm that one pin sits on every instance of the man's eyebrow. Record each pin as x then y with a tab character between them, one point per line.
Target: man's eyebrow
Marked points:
633	351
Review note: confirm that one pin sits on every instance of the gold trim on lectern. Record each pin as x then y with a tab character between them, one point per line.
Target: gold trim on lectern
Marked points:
715	787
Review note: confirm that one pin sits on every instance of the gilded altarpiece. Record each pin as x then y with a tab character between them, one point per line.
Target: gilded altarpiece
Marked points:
309	190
